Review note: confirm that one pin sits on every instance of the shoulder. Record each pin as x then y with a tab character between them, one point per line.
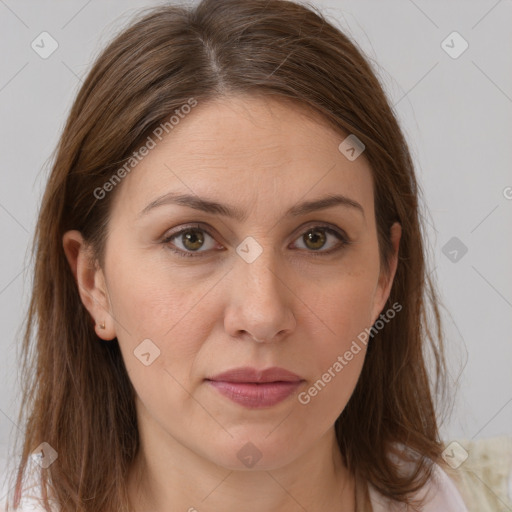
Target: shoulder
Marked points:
439	493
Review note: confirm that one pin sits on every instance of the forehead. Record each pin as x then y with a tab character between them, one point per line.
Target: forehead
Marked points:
247	148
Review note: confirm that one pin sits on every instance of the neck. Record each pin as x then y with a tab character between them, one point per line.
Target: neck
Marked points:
165	471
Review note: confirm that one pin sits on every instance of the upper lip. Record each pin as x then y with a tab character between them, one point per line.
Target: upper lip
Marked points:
249	374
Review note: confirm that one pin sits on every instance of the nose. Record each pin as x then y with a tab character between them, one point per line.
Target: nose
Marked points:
260	302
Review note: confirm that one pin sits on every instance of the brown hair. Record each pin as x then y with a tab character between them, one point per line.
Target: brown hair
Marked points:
77	395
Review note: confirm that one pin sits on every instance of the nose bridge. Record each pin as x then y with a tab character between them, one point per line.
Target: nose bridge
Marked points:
260	303
259	277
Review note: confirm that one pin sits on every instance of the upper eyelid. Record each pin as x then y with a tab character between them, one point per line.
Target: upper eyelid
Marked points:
186	227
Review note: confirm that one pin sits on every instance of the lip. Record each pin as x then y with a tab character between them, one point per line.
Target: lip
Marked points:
253	375
255	388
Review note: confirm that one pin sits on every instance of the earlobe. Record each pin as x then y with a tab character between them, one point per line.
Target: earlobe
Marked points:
90	282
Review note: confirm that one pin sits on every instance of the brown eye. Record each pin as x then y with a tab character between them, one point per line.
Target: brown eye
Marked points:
192	239
314	238
322	237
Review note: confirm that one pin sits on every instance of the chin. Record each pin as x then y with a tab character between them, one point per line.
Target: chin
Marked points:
253	453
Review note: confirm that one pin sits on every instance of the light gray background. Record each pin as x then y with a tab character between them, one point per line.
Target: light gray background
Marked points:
456	114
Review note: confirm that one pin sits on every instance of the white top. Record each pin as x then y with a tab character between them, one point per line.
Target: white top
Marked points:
441	491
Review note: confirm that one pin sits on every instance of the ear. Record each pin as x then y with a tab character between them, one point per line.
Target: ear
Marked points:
385	283
90	281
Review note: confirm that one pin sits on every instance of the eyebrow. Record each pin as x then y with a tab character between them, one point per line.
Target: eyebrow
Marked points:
209	206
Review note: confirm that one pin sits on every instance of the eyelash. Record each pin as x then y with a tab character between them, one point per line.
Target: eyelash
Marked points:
189	254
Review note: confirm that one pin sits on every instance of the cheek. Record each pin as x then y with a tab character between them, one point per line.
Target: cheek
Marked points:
150	302
337	343
344	305
149	297
160	332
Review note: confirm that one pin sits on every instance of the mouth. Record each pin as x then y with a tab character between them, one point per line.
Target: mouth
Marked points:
253	388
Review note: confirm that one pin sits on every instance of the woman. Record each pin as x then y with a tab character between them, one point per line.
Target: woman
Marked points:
230	294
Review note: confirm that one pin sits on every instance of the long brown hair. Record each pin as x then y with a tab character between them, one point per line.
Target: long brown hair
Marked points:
77	396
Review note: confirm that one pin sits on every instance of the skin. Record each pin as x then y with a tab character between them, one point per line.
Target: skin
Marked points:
292	307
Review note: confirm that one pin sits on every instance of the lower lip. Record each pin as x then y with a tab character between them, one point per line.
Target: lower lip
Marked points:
256	395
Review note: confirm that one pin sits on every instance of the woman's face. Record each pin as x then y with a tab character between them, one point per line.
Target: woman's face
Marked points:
277	282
